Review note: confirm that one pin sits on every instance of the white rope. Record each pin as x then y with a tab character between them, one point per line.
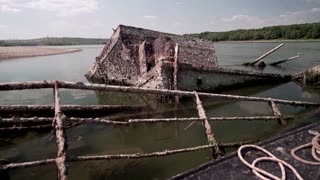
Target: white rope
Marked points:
315	150
262	174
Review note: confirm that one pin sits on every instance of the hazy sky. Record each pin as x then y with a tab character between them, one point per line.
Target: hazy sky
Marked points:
96	18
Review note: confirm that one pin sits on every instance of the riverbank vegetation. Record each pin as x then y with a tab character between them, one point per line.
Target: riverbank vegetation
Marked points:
308	31
53	41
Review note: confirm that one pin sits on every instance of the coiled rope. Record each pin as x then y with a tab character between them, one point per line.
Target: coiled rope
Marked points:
315	150
262	174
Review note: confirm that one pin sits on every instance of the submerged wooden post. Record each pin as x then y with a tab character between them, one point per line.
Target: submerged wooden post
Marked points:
276	112
264	55
175	71
60	136
216	153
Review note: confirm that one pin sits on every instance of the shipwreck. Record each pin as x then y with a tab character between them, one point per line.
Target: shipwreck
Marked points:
147	63
151	59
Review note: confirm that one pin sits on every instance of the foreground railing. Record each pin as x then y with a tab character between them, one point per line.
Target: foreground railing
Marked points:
59	119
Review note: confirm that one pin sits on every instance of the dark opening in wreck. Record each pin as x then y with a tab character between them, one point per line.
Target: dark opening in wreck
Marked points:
150	59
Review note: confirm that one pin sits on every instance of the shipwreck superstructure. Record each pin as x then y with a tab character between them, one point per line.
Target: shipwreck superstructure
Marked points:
151	59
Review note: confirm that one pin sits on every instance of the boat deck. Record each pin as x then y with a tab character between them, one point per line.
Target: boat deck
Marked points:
230	167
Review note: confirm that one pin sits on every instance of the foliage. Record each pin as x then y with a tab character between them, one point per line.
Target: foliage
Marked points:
296	31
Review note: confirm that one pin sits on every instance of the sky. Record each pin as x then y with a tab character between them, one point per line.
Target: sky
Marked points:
26	19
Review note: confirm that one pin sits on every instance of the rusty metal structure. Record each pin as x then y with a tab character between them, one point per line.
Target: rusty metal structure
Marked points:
150	59
59	120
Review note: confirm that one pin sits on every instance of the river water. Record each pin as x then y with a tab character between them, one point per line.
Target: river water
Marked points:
89	139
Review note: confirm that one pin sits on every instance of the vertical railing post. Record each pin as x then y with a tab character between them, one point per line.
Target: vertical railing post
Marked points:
216	152
60	136
175	70
276	112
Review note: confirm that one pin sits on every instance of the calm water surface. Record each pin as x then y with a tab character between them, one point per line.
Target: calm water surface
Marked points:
89	139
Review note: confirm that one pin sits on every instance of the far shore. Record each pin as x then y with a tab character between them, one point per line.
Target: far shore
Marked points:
23	51
271	41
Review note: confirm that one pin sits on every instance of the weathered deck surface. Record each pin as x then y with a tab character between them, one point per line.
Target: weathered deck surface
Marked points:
231	167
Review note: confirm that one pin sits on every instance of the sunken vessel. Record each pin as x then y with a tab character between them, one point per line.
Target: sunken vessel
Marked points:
151	59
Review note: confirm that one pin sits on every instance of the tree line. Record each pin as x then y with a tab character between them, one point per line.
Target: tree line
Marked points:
296	31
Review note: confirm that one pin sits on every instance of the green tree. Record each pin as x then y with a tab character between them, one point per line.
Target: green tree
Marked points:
296	31
315	33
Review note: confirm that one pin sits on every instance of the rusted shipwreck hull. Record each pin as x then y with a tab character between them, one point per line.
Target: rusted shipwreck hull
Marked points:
151	59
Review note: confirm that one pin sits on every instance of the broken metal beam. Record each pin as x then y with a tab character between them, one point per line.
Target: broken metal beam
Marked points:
285	60
216	153
264	55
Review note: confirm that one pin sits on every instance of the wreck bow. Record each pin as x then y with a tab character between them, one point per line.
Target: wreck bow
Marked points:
150	59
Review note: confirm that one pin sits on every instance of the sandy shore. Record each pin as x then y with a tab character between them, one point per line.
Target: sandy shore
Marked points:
20	51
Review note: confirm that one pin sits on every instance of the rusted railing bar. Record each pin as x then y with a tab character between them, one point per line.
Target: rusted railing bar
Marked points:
140	155
119	156
216	153
13	108
36	127
28	164
276	112
27	120
99	121
60	136
168	120
101	87
237	144
26	85
16	128
135	121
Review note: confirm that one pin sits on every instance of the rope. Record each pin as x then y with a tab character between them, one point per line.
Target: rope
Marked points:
262	174
315	150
